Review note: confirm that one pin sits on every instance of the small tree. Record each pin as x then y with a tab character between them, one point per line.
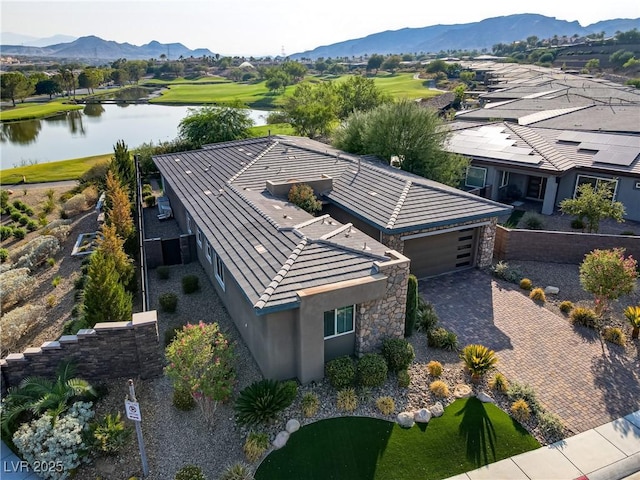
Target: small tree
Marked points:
119	208
201	362
302	195
594	205
608	275
123	167
113	246
412	306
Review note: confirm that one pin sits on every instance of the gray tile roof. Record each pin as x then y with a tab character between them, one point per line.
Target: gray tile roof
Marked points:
603	118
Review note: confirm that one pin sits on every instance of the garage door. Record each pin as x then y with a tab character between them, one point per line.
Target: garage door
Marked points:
441	253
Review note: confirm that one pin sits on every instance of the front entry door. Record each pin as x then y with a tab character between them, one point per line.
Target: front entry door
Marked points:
536	187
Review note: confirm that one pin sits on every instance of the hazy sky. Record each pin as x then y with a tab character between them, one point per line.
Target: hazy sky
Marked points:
265	27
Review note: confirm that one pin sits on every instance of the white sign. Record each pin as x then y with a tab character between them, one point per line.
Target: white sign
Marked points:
133	410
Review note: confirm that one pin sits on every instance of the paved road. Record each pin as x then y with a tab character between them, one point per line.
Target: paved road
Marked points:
565	365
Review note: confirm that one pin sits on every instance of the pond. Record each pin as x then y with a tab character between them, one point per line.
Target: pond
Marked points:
94	130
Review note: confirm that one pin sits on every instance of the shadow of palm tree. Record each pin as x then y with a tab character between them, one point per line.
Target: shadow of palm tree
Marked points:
479	434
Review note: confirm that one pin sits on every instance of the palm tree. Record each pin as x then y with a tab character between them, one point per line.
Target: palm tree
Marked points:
633	315
37	395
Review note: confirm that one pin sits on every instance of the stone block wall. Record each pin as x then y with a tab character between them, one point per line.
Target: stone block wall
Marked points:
109	350
384	317
557	247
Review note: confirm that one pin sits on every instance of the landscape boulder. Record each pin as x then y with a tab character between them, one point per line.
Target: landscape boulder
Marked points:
293	425
405	419
281	440
462	391
484	397
422	416
437	410
549	290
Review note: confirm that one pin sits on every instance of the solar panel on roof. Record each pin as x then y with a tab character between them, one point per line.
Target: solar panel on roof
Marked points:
616	155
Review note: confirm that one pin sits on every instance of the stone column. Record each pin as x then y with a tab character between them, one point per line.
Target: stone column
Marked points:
487	241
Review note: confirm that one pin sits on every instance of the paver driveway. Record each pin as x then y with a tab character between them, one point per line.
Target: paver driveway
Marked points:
565	365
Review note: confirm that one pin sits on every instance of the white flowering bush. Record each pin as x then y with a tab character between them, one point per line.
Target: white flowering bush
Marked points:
75	204
19	322
35	252
48	440
16	285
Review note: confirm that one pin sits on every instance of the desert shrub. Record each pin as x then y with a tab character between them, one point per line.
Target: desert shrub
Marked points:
532	221
4	254
434	368
371	370
51	261
255	445
520	410
23	220
310	403
192	472
163	272
478	359
170	335
4	198
182	399
577	224
347	400
17	285
44	441
5	232
551	426
499	383
341	372
442	338
566	306
147	189
190	284
19	233
398	353
149	200
503	271
302	196
32	226
56	281
404	379
19	322
49	206
523	391
35	252
75	205
386	405
584	316
290	390
74	326
526	284
261	402
51	301
110	433
237	471
439	388
614	335
168	302
426	318
15	215
538	295
19	204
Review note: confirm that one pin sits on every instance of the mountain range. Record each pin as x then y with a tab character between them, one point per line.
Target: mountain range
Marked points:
434	39
468	36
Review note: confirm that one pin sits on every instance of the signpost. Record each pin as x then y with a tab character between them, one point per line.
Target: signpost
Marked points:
132	407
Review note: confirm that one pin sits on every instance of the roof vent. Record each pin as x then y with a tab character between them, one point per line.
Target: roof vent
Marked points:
348	232
207	192
188	172
365	247
260	249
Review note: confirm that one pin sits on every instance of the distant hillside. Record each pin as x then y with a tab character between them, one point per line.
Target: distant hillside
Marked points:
469	36
93	47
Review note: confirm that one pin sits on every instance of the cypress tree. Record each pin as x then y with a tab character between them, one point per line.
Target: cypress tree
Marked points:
412	306
123	167
105	299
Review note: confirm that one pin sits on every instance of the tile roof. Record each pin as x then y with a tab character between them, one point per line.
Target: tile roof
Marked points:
271	247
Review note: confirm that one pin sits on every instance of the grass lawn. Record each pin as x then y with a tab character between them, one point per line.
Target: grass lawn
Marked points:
182	80
274	128
52	171
27	111
469	435
404	85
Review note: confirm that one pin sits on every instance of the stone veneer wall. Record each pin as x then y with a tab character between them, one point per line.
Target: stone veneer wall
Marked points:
108	350
384	317
484	252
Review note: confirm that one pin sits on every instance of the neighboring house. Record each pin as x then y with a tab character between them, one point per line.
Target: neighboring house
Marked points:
513	162
302	289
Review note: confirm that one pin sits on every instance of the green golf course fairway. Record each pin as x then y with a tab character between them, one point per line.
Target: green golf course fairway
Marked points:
469	435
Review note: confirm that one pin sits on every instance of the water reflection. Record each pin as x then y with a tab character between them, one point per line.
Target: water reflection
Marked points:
21	133
93	110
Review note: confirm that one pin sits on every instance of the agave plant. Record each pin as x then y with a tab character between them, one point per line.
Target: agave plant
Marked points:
261	401
478	360
633	315
36	395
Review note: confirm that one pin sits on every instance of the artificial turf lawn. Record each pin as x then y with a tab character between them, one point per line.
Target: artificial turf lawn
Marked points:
469	435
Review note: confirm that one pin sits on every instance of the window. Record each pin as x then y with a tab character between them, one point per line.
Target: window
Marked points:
476	177
339	321
189	223
199	237
207	252
504	180
597	182
219	271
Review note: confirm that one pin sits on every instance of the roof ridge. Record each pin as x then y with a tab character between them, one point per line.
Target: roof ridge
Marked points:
257	157
323	241
311	221
399	205
275	282
335	232
253	205
538	143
